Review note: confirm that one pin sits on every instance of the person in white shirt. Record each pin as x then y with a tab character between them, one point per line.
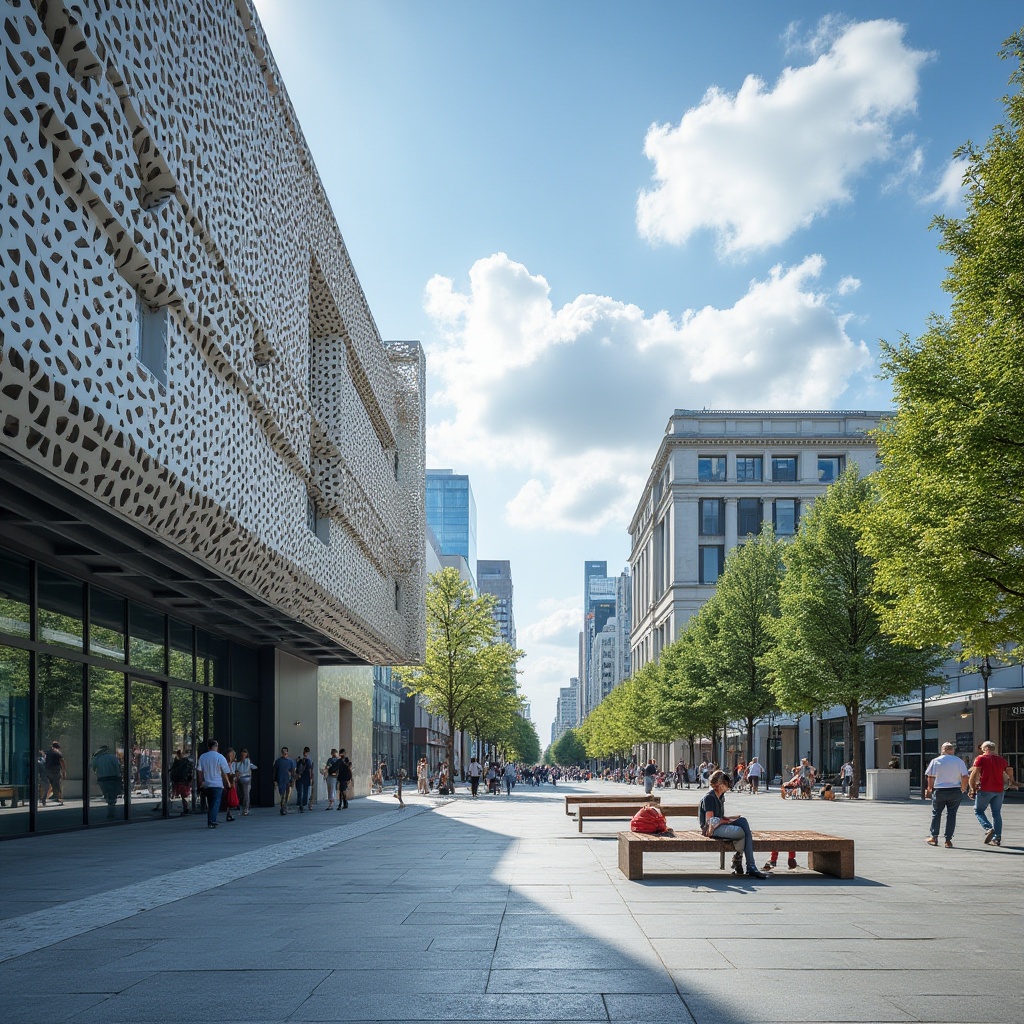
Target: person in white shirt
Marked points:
846	776
214	767
754	772
475	771
947	777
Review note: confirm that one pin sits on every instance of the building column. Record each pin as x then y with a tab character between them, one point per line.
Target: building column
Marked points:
731	537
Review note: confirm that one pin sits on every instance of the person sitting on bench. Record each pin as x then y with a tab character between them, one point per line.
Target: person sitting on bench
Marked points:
716	825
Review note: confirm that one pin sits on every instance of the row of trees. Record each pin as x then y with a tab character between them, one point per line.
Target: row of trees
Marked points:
469	674
886	573
792	627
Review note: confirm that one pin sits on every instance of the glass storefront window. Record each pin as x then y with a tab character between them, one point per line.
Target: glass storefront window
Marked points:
106	746
146	761
59	734
106	625
14	594
16	761
60	609
212	665
146	629
180	662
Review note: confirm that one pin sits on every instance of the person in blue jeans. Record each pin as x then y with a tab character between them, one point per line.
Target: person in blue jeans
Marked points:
716	825
303	778
990	776
214	767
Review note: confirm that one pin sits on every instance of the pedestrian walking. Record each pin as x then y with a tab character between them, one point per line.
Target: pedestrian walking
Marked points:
213	778
475	771
284	776
108	775
947	777
303	779
650	773
989	778
755	772
423	777
182	772
846	777
56	772
344	780
330	773
510	777
230	790
243	779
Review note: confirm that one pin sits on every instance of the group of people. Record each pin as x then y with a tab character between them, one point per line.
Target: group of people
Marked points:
947	780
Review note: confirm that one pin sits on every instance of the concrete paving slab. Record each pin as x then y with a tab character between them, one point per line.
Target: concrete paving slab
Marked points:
536	922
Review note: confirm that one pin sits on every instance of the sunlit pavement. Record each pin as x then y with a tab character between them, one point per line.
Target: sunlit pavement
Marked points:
496	909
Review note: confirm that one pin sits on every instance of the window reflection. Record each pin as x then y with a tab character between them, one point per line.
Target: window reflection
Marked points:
60	609
59	732
16	763
146	760
212	666
180	662
106	625
14	594
147	638
106	745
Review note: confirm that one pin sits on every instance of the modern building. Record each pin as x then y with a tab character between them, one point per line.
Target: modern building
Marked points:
623	625
451	514
604	664
494	577
565	711
717	476
211	465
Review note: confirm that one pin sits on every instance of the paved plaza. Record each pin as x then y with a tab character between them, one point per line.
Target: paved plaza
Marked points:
498	910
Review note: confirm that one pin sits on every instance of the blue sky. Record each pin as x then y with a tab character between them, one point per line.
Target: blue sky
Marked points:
592	213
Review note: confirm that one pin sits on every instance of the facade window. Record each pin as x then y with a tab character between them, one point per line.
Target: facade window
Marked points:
711	468
748	515
712	559
151	338
318	524
829	468
749	467
712	517
784	469
786	516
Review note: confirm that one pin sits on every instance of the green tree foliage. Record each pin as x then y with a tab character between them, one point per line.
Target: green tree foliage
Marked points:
568	749
948	526
626	716
466	664
734	634
829	647
521	742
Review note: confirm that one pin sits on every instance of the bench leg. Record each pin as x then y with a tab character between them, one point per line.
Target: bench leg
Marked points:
838	863
579	818
631	861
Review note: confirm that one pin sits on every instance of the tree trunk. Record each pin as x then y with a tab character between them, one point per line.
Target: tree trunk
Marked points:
750	738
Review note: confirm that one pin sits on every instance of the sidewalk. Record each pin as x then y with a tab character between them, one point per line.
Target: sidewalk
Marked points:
498	910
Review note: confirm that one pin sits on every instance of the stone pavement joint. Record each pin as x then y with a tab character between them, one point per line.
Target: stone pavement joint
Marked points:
34	931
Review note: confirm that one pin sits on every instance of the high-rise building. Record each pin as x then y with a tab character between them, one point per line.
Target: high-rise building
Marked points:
494	577
451	514
623	625
565	711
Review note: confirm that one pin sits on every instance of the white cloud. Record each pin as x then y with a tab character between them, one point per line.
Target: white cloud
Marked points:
757	166
559	627
848	285
572	401
949	193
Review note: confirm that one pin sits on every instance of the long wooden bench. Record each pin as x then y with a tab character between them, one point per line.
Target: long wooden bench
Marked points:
11	793
830	855
574	799
584	811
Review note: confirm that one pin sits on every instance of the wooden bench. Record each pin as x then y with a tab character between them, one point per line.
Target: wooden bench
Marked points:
573	799
830	855
584	811
10	793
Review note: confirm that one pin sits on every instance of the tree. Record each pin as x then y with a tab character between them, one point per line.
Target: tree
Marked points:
733	646
465	662
829	647
521	741
568	749
947	529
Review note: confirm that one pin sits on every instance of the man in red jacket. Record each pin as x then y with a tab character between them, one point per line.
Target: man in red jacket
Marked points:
990	775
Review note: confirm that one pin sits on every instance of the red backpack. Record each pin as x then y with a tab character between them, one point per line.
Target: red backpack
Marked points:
649	819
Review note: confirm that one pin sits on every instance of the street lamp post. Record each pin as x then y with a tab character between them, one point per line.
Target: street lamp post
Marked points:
985	671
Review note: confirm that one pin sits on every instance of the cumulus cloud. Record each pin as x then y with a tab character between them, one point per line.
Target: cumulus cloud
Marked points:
560	626
757	166
575	398
949	193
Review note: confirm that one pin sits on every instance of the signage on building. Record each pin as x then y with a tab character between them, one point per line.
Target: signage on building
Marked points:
1015	710
964	743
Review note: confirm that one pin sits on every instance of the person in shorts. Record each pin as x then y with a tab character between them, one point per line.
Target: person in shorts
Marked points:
284	776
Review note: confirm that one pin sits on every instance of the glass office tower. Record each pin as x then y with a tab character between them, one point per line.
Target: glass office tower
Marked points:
451	513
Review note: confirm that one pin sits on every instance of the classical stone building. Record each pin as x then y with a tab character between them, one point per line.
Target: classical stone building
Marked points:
211	465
